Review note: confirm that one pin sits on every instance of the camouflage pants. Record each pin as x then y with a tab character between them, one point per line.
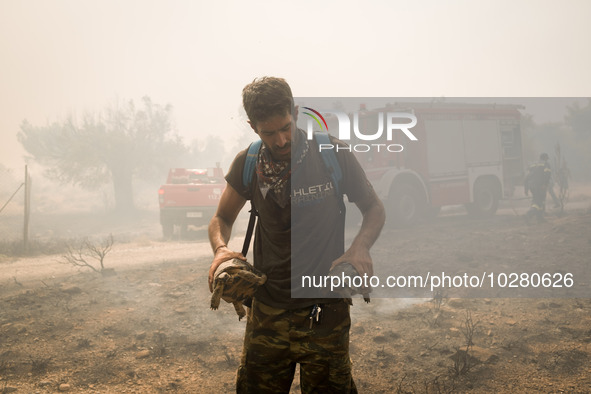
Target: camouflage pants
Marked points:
277	339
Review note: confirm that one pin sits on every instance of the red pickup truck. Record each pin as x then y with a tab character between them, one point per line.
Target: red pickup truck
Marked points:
189	197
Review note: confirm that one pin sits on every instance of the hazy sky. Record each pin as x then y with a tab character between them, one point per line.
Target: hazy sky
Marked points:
71	56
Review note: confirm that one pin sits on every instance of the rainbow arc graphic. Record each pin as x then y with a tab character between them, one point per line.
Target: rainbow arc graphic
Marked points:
315	118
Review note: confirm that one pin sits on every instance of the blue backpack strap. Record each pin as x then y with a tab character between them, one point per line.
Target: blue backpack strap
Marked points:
328	156
330	161
251	162
247	175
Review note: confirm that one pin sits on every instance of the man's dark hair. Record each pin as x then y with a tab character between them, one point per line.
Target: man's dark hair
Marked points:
266	97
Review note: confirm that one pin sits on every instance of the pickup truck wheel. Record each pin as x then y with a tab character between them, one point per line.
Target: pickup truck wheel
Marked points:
406	204
486	200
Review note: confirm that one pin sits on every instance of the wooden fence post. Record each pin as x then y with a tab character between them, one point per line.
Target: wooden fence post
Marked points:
27	210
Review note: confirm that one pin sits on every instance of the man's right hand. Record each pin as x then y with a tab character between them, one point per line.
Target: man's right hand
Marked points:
220	228
221	255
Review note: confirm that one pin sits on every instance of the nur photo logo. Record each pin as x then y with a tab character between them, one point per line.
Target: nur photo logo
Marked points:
384	125
316	119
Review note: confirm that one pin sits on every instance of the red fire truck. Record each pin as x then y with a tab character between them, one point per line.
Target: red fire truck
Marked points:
189	197
468	154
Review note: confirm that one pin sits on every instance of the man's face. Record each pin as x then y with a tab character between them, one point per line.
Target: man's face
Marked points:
276	135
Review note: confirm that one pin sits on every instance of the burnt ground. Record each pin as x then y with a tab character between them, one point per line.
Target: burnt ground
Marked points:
145	326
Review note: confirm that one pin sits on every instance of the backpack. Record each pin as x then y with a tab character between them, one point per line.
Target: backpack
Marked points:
328	156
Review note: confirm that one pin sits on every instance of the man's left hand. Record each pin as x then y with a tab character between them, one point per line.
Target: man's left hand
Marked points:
359	258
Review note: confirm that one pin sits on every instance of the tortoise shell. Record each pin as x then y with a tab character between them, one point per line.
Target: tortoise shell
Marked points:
234	281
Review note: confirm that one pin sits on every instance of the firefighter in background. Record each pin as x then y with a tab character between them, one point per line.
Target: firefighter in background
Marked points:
557	202
537	181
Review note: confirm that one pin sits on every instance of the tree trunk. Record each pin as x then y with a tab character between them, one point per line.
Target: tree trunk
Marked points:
123	190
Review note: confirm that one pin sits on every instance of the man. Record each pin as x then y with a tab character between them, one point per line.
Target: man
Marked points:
536	181
294	235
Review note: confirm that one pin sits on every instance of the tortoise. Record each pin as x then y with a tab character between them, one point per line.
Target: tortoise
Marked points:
347	270
235	281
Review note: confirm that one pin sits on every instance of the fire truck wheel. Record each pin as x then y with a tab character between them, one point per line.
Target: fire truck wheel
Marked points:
167	230
406	204
486	200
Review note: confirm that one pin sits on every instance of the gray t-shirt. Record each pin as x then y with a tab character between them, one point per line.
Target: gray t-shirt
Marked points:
306	237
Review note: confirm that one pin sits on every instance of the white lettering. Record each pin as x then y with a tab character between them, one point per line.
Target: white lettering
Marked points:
401	126
363	148
399	148
357	148
344	125
371	137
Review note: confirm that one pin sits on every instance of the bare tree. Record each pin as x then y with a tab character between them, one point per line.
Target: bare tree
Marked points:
86	252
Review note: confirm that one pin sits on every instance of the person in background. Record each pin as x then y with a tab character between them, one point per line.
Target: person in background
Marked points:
537	181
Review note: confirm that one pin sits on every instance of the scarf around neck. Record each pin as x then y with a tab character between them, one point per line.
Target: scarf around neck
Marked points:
274	176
